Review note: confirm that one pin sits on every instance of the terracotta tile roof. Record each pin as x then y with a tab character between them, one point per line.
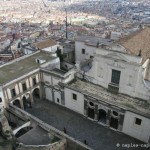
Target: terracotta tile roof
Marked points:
45	44
137	41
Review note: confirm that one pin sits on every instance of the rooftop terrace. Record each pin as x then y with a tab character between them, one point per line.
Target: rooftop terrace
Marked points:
21	66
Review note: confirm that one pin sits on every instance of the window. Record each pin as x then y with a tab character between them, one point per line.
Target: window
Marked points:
24	87
74	96
13	92
57	100
115	78
92	104
0	99
138	121
115	113
83	51
34	81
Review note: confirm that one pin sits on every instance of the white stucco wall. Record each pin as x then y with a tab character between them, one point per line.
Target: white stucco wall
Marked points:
101	73
76	105
57	94
131	79
47	78
78	51
48	94
27	51
51	49
141	132
55	80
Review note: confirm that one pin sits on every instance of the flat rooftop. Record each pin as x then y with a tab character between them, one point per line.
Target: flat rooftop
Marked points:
23	65
93	41
120	100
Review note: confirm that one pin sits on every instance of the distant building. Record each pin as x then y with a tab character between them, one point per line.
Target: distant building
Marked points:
47	45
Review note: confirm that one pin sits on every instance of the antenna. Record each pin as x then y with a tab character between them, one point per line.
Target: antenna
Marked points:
66	24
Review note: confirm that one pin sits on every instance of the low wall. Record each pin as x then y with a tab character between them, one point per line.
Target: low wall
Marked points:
55	146
72	144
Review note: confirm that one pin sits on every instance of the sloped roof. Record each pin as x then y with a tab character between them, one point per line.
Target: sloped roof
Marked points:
137	41
45	44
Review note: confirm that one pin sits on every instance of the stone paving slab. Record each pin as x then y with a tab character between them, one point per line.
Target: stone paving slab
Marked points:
97	136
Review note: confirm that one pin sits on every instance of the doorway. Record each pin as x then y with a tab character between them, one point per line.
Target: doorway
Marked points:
91	113
114	123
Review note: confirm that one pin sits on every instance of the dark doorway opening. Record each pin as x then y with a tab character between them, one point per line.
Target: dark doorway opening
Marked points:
102	116
114	123
36	93
17	103
91	113
26	101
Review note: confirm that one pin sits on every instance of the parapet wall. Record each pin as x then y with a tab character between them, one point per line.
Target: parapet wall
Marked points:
55	146
72	144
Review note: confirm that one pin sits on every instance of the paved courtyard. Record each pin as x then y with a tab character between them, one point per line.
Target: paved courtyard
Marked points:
97	136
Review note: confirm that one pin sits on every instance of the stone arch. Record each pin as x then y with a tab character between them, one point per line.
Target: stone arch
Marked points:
102	115
26	100
17	103
36	94
22	129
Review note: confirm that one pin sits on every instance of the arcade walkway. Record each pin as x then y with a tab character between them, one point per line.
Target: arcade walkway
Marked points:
97	136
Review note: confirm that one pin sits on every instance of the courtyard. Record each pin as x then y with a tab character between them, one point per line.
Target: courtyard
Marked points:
77	126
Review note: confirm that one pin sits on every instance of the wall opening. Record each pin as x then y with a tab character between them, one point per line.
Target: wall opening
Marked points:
102	116
36	94
91	113
17	103
26	101
114	123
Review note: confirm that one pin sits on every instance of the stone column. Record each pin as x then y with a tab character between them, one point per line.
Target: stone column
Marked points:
85	108
96	113
21	104
62	97
41	91
53	97
31	97
120	122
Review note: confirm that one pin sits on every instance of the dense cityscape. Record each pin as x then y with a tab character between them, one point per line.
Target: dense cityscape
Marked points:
36	20
74	74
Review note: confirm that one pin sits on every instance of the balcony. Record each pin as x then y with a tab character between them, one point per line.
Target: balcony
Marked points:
114	88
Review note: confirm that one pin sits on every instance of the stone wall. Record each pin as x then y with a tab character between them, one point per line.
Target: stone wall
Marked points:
55	146
72	144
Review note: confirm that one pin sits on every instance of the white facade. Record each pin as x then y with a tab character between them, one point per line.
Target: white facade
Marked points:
133	81
76	105
48	94
114	58
79	55
51	48
141	132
